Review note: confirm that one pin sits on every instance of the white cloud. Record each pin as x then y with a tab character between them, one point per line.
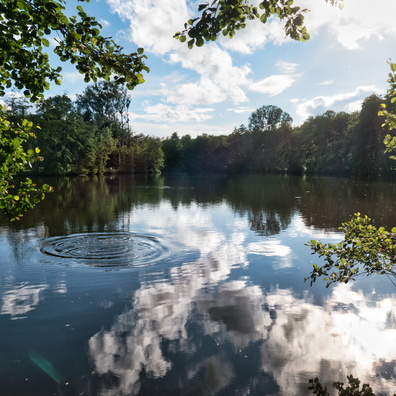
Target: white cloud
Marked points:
72	77
273	85
193	129
241	109
275	249
326	82
286	67
171	114
215	64
305	107
358	21
354	106
350	35
211	76
153	23
203	92
22	300
104	23
255	36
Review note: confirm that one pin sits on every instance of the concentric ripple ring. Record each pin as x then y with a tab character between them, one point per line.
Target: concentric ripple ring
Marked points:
105	249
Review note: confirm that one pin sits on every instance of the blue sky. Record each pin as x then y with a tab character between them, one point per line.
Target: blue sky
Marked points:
213	89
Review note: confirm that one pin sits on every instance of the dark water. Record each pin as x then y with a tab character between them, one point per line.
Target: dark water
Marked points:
190	286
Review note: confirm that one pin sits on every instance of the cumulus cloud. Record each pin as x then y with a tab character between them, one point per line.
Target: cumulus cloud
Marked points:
152	26
170	114
255	36
152	23
215	64
305	108
203	92
358	21
326	82
273	85
104	23
181	127
241	109
212	76
286	67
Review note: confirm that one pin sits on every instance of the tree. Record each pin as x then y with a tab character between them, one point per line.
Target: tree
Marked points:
17	197
149	157
268	117
226	17
368	136
326	142
173	152
365	249
25	29
105	104
65	140
25	64
390	116
352	389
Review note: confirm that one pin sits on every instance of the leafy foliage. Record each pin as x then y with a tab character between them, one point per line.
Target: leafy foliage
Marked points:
390	117
226	17
26	26
365	249
17	196
368	136
268	117
352	389
329	143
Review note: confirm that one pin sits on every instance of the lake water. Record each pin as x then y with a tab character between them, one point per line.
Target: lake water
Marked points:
179	285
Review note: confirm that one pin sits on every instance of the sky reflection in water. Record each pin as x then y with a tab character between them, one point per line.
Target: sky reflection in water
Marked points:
226	312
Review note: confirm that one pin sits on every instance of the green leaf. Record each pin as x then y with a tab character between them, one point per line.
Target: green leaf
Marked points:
263	18
190	43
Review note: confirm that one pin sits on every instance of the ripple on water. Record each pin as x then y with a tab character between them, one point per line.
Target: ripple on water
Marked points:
105	249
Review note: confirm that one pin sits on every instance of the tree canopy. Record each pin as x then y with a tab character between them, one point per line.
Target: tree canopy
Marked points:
365	249
386	111
27	27
227	16
267	117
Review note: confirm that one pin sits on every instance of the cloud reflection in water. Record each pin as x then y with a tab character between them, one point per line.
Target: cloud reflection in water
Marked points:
206	331
293	339
19	301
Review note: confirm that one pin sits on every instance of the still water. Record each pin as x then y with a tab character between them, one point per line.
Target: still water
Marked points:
178	285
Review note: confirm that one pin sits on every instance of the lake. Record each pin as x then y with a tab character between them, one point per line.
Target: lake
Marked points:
190	285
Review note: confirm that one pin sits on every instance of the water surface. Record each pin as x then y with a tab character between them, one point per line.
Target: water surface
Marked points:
184	285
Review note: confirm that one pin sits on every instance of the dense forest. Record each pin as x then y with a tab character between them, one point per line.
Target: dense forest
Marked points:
93	135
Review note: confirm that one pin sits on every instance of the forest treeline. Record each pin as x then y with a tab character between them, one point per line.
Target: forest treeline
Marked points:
93	135
331	143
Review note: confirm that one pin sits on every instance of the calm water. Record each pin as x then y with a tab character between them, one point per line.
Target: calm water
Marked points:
189	286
